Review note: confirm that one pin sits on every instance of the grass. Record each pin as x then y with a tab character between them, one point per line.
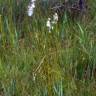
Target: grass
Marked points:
34	62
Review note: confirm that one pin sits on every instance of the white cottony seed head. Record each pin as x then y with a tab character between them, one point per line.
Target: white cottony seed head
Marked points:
55	18
30	12
31	7
49	25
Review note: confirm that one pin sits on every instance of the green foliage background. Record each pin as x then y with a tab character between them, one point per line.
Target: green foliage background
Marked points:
34	62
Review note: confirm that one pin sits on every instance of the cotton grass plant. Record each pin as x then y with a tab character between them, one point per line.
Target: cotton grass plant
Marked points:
36	62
